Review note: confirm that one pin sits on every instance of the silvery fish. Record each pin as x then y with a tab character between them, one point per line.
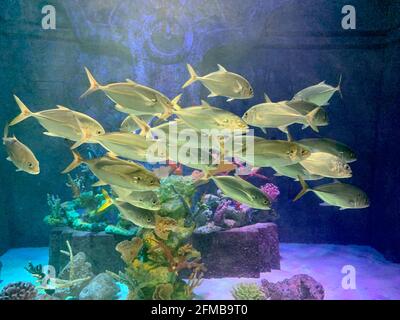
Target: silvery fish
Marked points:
143	199
344	196
20	155
113	171
206	117
294	171
222	83
329	146
326	165
242	191
133	98
60	122
138	216
319	94
268	153
278	115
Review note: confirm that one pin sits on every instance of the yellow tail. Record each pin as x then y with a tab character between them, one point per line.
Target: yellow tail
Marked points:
75	163
193	76
108	202
310	119
6	127
339	87
25	112
94	86
304	190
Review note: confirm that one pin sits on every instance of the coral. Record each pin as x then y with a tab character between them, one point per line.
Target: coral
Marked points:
298	287
56	217
271	191
19	291
247	291
157	259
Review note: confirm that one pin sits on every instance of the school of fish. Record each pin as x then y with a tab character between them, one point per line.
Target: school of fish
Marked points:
134	187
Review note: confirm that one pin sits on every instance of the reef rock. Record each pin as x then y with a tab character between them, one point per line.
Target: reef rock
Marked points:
258	245
298	287
101	287
18	291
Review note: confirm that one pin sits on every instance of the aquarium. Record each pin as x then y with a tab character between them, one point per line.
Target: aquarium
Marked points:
200	150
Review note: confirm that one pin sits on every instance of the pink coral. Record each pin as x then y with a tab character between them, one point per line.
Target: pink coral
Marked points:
271	191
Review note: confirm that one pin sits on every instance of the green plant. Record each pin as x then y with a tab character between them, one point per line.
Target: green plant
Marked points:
247	291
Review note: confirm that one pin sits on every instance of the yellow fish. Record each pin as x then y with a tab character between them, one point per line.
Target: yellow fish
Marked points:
20	155
304	107
113	171
222	83
242	191
206	117
133	98
138	216
278	115
142	199
269	153
326	165
344	196
60	122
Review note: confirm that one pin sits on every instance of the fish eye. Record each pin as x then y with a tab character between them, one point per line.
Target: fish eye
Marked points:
246	114
265	201
98	132
148	220
30	165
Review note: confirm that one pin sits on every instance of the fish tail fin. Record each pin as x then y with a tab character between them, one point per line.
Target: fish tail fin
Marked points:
143	125
193	76
304	190
175	102
75	163
339	86
108	201
94	86
310	119
25	112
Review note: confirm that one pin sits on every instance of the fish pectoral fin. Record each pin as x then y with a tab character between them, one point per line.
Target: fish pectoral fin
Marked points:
18	170
305	126
49	134
238	88
8	159
99	184
267	98
230	99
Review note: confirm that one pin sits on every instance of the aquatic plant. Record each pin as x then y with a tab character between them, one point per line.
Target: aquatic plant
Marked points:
158	259
247	291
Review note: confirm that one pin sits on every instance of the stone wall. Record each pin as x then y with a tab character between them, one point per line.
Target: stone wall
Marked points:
280	45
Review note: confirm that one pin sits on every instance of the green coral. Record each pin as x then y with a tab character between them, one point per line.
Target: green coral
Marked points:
247	291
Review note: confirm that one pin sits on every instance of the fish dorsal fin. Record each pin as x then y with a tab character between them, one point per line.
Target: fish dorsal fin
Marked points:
267	99
221	68
62	107
321	83
131	81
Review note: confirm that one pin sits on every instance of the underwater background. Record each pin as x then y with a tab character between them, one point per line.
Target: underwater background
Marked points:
280	46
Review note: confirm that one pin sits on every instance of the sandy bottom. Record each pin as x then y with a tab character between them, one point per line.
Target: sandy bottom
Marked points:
376	278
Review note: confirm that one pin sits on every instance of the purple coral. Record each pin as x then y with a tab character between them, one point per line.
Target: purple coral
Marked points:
271	191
